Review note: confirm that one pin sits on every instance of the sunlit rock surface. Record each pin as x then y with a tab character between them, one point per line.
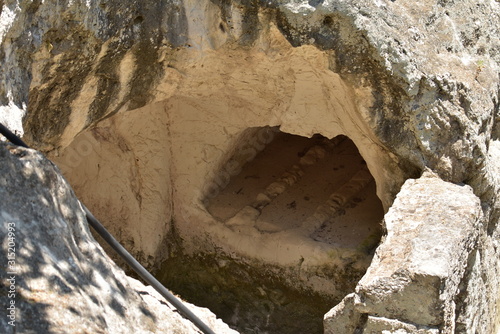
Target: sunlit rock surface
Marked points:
162	114
423	273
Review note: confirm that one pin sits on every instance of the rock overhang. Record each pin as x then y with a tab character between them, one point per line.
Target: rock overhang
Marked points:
200	123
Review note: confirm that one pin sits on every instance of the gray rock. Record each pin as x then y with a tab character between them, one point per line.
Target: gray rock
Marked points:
376	325
58	278
418	271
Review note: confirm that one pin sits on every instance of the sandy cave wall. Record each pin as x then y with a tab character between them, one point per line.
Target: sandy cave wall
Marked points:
209	98
135	148
195	134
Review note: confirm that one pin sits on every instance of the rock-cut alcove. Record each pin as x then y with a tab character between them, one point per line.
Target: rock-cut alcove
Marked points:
309	204
304	230
148	119
220	208
316	186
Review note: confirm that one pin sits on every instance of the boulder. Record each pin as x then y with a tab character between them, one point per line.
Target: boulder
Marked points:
418	278
56	277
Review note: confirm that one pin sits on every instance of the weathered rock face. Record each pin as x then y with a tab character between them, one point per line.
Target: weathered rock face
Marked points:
58	279
421	271
156	113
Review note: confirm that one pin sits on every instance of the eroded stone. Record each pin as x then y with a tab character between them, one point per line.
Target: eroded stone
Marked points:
432	230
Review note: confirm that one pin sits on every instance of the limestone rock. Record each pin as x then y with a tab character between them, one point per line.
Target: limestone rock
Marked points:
418	271
343	318
58	279
390	75
153	108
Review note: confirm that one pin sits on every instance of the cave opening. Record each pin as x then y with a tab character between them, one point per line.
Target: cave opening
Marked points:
312	197
316	186
285	229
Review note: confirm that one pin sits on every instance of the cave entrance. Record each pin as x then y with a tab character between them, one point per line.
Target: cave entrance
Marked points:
301	220
319	187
